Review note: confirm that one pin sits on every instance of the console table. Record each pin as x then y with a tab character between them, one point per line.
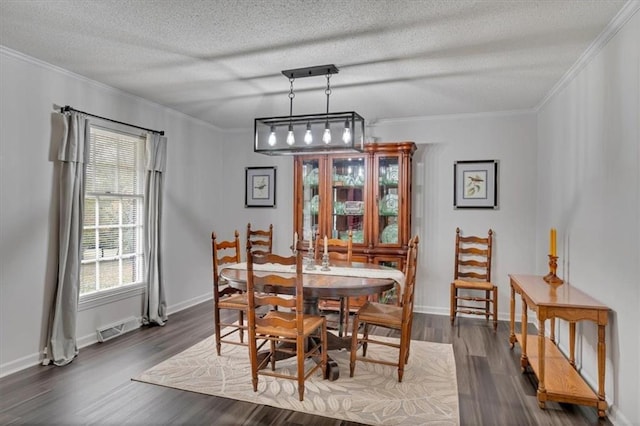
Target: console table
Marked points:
558	379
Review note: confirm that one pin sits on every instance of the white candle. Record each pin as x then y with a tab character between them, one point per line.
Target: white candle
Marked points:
325	244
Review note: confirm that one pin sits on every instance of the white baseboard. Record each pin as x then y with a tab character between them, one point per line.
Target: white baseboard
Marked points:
434	310
87	340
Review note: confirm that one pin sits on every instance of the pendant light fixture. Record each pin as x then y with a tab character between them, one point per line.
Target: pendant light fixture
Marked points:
328	132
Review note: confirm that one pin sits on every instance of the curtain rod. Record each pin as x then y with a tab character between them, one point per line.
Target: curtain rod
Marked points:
67	108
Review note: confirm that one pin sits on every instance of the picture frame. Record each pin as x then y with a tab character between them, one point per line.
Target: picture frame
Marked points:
475	184
260	187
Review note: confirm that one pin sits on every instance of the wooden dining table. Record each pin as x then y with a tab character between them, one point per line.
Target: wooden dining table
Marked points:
345	279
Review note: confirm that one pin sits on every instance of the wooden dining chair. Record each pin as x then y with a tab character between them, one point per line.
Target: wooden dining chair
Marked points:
261	239
288	330
472	274
337	249
393	317
225	296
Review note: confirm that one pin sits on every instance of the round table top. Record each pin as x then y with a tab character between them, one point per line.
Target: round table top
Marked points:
323	286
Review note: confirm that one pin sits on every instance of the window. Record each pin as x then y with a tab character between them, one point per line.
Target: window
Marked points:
112	236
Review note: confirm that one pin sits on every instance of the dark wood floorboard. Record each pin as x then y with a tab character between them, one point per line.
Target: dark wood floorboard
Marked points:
96	388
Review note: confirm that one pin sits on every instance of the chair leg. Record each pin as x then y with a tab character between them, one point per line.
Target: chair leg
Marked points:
324	349
495	309
487	296
354	345
241	324
365	334
272	355
216	322
300	355
402	357
346	315
452	303
253	357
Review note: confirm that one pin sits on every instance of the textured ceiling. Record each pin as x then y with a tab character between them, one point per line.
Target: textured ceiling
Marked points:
220	61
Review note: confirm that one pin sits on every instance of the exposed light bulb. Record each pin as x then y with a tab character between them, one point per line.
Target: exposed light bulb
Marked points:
326	136
346	135
291	139
308	137
272	136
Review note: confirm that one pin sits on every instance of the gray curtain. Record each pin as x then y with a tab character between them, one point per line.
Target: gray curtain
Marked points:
155	306
73	153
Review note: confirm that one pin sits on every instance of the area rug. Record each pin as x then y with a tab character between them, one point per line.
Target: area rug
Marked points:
428	394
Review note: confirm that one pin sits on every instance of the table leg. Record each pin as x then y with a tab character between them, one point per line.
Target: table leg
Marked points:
524	361
343	307
512	318
572	344
542	392
602	352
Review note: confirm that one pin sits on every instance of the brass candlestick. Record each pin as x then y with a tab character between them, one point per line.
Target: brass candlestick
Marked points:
551	277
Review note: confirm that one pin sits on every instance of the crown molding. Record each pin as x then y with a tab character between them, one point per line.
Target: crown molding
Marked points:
457	116
46	65
628	10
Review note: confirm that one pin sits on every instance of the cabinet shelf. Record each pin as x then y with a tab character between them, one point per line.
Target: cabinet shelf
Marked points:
339	186
349	189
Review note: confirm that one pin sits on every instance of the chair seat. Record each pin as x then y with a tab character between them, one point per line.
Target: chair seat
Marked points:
235	301
382	314
310	324
474	285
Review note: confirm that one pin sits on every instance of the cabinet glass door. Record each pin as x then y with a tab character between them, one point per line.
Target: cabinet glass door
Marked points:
348	177
388	199
310	198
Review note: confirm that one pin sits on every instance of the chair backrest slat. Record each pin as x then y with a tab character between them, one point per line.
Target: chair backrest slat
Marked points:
223	252
275	290
337	249
473	257
260	240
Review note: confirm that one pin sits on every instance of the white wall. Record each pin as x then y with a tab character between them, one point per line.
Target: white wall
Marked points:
204	192
509	138
589	188
237	150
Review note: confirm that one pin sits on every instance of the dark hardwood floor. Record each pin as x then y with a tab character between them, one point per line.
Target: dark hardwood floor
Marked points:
96	387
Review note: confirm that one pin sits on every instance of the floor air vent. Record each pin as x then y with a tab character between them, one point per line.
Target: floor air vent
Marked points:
108	332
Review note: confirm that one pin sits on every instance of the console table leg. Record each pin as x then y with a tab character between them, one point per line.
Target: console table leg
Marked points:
524	361
572	344
602	352
512	318
542	392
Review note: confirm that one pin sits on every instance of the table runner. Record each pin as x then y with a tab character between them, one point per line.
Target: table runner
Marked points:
390	273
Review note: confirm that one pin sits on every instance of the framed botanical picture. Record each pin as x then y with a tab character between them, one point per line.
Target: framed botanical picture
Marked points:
260	187
475	184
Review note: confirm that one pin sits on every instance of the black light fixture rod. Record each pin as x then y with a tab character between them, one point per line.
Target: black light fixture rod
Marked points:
310	71
328	92
67	108
291	96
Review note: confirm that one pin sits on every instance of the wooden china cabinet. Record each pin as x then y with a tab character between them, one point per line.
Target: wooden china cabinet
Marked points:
368	193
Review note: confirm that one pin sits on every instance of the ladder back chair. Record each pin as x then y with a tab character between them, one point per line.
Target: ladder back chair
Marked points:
288	330
337	249
399	318
260	240
472	274
225	296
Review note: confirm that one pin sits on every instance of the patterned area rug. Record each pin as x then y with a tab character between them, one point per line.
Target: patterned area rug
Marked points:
428	394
